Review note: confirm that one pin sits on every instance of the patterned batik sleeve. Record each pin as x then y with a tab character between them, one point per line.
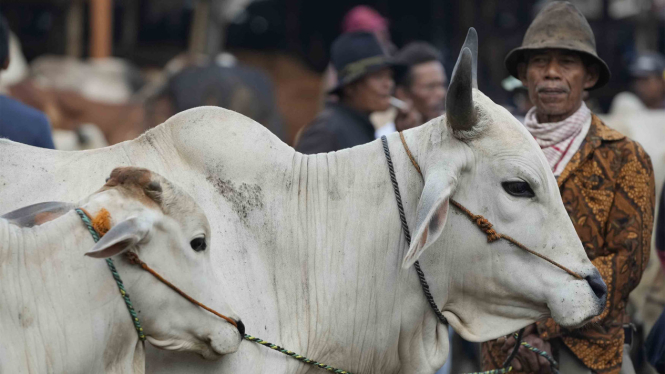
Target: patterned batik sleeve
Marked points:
629	228
620	257
627	238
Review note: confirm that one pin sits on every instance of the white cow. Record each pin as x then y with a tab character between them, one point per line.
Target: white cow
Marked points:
311	250
61	312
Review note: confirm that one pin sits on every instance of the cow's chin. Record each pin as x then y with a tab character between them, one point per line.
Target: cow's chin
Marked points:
573	307
211	348
225	342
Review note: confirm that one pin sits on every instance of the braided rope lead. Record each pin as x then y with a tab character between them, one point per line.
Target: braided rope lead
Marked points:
95	236
553	364
492	236
407	233
482	222
421	277
294	355
484	225
133	258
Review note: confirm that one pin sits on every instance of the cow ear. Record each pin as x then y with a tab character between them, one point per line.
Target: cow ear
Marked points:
431	215
121	237
37	214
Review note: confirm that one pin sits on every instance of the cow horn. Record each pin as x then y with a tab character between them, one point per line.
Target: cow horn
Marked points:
471	42
460	111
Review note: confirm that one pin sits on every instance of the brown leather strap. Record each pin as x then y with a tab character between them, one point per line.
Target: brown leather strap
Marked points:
134	259
102	223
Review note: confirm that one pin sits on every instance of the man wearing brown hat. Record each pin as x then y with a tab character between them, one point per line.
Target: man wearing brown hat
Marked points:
364	85
606	183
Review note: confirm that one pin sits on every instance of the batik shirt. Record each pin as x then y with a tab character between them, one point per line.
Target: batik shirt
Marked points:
608	191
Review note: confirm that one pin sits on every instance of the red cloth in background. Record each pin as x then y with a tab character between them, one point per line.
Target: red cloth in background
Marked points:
364	18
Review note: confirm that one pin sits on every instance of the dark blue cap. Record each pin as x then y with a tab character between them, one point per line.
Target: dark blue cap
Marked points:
355	55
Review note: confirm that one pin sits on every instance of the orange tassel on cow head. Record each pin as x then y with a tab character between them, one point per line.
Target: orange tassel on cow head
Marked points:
102	221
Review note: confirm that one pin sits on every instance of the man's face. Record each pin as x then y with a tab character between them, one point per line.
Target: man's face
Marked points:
651	90
428	89
556	80
371	93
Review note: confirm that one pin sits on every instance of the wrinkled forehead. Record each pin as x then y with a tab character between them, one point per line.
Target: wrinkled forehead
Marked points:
137	190
154	191
136	183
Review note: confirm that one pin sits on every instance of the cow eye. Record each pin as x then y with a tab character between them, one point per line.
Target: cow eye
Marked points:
198	244
518	189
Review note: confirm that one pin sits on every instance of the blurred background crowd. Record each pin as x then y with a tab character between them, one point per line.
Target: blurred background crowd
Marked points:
105	71
142	55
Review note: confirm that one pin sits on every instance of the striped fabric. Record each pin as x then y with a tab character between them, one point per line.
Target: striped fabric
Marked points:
559	140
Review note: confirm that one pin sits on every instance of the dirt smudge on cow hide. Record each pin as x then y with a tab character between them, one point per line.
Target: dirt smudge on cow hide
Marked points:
26	318
244	198
333	192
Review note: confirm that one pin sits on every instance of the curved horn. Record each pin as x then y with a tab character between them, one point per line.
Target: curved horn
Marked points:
460	111
471	42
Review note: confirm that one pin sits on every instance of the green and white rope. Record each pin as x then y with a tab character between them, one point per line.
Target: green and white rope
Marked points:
139	329
507	367
495	371
554	366
294	355
116	276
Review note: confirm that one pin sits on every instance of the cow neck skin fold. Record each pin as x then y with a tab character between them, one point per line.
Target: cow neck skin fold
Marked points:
309	249
60	317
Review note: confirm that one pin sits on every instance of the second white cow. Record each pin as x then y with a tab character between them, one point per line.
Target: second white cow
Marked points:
61	312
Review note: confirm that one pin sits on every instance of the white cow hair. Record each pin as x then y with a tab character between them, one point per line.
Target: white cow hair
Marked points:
310	250
61	312
53	321
482	123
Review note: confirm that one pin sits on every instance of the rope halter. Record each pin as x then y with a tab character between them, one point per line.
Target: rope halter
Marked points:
484	224
486	227
100	225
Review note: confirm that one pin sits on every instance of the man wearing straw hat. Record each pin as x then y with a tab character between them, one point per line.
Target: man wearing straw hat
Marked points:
606	183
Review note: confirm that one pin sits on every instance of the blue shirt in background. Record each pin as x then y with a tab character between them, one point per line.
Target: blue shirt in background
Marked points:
23	124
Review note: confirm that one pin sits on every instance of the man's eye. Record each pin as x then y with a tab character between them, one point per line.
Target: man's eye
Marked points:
518	189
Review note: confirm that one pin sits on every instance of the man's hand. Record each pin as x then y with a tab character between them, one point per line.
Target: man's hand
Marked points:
526	360
407	118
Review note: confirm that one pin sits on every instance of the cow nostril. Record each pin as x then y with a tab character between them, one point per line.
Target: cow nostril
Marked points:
241	327
597	285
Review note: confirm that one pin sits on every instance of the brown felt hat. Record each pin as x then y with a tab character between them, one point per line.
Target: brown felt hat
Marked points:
560	25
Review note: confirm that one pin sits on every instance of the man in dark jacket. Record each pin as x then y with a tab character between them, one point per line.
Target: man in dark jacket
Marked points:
19	122
364	85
